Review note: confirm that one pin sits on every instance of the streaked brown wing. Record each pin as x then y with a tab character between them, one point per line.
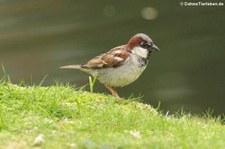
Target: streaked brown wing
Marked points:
114	57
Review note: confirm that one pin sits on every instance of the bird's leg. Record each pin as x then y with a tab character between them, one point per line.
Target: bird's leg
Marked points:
113	91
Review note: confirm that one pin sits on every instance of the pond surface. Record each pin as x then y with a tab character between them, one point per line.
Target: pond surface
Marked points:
37	37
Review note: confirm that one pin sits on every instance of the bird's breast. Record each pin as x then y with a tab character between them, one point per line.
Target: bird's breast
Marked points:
123	74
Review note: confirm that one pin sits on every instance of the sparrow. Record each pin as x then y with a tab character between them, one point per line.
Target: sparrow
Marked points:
121	65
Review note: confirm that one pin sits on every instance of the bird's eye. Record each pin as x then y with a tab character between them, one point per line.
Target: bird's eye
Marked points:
146	45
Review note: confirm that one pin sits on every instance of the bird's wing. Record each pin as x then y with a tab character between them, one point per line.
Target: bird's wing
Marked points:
113	58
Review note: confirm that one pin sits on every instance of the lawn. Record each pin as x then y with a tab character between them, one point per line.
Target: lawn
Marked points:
63	116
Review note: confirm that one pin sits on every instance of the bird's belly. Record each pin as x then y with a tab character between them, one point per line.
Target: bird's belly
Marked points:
121	75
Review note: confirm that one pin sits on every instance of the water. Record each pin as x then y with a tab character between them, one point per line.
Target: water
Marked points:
37	37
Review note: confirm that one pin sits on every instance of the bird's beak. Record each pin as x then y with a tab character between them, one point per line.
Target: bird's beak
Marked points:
154	48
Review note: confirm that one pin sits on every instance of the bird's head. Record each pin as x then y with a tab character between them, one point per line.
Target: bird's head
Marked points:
143	41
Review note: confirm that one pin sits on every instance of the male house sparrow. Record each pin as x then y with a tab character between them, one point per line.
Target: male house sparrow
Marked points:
121	65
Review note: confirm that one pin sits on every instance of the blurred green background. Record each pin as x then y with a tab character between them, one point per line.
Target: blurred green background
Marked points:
38	36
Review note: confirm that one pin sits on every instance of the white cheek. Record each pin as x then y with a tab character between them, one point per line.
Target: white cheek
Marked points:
139	51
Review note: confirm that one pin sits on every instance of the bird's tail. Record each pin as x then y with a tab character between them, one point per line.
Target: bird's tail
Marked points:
71	67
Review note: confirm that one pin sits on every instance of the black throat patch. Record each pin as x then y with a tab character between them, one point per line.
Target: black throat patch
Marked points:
142	61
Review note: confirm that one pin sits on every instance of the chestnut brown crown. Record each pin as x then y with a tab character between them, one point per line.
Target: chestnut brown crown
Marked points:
137	39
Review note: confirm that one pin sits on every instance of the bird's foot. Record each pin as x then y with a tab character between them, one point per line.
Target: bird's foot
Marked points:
114	92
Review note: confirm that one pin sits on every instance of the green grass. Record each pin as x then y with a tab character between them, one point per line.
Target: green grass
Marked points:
73	118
